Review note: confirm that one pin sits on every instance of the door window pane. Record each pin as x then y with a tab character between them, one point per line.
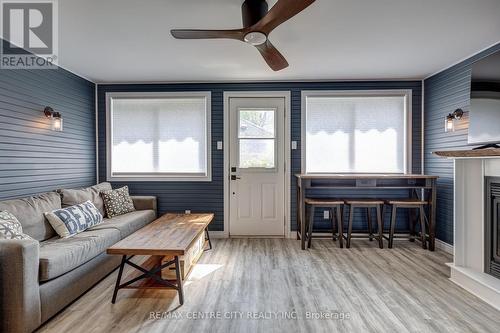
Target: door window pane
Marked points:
257	153
256	124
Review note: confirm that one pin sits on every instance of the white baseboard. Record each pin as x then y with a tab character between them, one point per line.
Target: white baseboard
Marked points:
223	234
218	234
448	248
482	285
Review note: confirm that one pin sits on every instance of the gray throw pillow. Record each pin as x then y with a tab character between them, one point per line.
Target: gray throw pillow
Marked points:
117	202
71	197
10	227
75	219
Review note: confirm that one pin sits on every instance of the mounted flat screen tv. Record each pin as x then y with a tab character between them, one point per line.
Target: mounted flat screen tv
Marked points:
484	115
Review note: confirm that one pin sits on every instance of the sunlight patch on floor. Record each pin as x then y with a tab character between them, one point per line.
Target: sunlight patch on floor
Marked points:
201	271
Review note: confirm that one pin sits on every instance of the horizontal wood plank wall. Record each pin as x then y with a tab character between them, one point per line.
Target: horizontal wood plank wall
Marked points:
208	196
34	159
445	92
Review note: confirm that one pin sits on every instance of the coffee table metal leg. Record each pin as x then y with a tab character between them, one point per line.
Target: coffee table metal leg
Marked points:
179	280
117	285
207	237
152	274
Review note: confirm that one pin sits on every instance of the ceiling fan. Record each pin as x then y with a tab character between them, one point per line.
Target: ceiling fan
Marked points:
258	23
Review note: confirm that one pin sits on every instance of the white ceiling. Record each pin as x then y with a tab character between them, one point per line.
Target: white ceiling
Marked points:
129	40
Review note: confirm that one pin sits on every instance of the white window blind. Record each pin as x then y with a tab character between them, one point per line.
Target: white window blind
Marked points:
356	134
159	137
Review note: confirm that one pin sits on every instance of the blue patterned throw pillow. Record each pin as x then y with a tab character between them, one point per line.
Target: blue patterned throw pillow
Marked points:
74	219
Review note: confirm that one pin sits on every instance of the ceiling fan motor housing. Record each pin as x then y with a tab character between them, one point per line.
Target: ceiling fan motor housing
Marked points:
252	11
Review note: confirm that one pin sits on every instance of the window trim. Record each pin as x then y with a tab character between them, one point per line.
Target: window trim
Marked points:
165	177
407	93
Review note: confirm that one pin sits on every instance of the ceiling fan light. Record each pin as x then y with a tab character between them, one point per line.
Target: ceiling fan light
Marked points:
255	38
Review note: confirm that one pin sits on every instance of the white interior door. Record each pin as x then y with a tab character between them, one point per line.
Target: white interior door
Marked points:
257	184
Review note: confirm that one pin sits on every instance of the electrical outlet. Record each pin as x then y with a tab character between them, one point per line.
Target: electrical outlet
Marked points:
187	211
326	214
220	145
294	145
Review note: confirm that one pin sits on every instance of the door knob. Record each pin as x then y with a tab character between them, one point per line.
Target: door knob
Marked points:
233	177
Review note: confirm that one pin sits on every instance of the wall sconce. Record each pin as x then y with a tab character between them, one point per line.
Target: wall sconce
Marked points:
55	118
449	123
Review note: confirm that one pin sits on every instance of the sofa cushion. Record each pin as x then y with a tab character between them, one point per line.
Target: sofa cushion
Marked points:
127	223
74	219
61	255
71	197
10	227
30	212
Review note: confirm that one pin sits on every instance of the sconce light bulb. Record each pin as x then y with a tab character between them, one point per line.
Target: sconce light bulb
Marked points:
449	124
56	121
57	124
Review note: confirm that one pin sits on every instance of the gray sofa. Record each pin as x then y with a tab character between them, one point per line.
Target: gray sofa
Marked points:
40	277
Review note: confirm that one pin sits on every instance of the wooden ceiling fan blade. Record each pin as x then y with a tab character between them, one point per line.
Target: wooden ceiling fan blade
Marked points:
208	34
272	56
282	11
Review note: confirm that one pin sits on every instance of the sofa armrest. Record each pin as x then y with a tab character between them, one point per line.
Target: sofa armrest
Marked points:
19	289
145	202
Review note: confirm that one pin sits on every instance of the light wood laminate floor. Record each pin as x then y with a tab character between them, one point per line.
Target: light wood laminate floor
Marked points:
270	285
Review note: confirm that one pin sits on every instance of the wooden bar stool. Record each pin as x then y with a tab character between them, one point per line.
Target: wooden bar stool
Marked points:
336	212
408	204
367	204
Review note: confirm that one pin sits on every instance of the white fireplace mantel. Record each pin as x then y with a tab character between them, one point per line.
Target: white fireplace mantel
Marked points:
468	267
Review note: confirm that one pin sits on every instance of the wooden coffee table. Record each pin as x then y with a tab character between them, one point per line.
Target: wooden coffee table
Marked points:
170	235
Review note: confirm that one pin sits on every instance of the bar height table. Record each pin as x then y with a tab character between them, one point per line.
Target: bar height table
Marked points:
422	186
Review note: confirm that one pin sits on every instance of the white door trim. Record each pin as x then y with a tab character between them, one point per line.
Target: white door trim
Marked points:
287	135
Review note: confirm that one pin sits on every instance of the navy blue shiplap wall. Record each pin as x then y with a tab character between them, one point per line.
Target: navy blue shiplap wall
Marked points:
208	196
34	159
445	92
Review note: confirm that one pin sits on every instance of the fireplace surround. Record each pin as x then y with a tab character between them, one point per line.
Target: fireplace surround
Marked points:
492	227
472	171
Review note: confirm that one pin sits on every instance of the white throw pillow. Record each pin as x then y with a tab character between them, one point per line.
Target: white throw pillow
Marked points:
10	227
72	220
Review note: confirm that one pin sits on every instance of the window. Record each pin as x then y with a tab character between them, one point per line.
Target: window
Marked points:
158	136
356	132
256	135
